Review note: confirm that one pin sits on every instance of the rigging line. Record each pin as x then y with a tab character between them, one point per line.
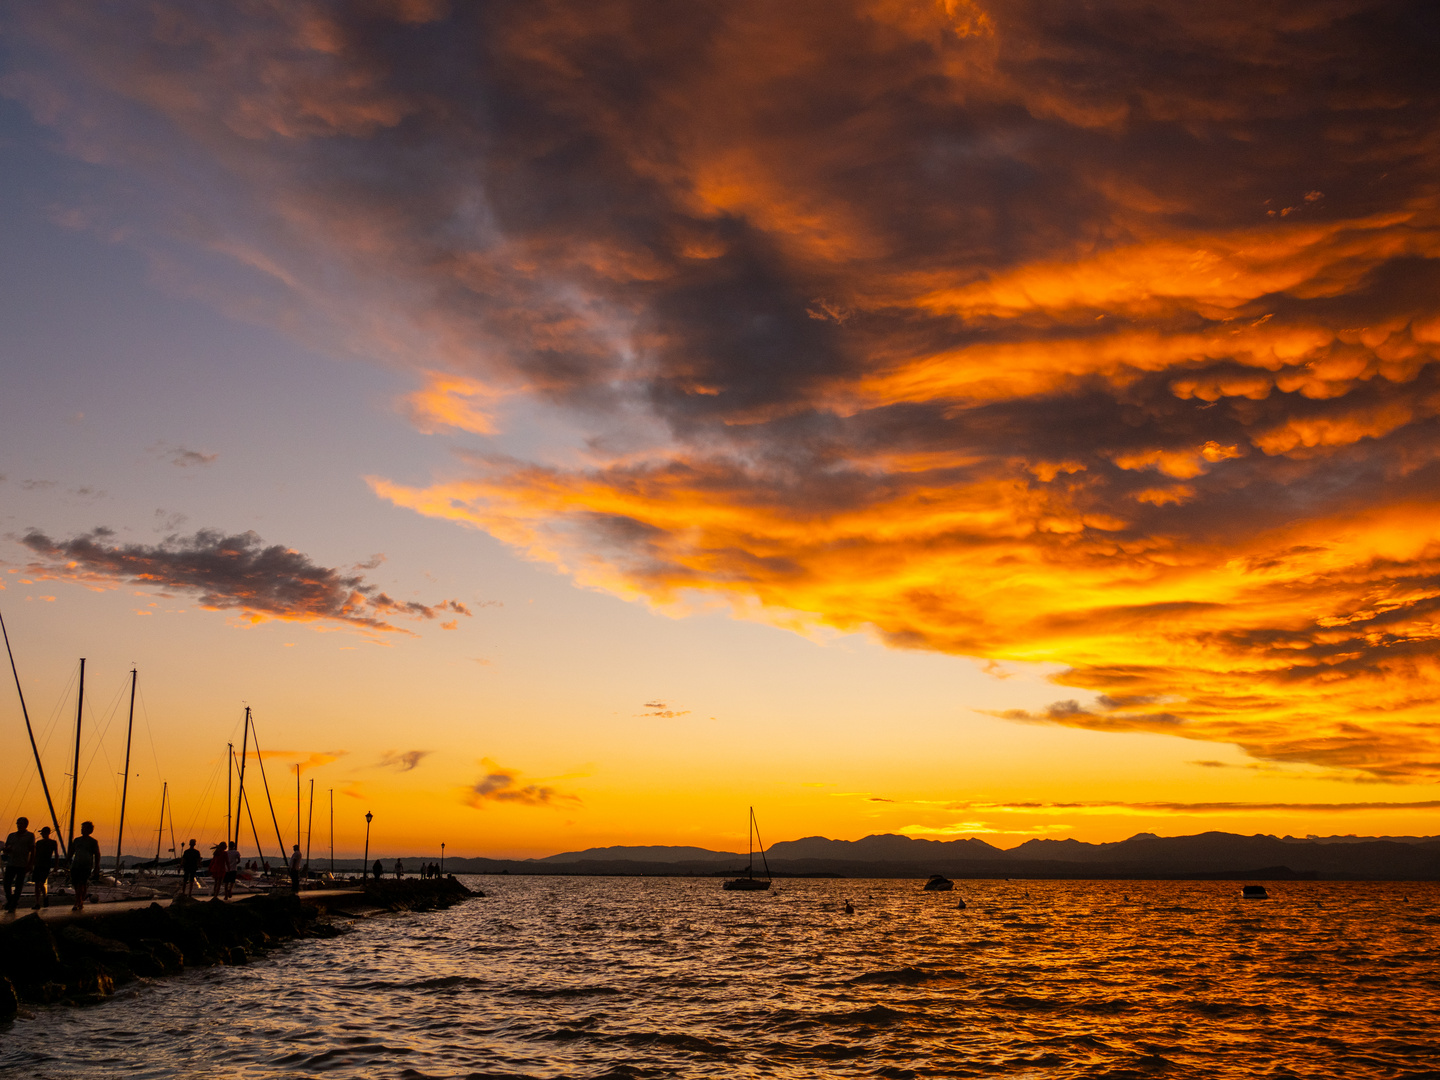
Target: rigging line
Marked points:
171	800
260	760
259	851
201	802
755	821
30	731
98	739
149	731
52	725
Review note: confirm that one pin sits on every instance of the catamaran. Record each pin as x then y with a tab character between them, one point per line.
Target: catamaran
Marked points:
750	883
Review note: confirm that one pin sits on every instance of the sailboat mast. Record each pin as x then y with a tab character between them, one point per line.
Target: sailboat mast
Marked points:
164	791
54	817
332	832
125	784
75	776
229	782
297	805
310	824
244	743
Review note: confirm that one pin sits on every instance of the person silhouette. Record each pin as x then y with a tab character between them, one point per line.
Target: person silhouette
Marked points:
295	860
379	870
849	908
219	868
47	852
84	863
190	860
19	858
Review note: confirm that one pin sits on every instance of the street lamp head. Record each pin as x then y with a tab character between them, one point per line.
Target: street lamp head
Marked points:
369	817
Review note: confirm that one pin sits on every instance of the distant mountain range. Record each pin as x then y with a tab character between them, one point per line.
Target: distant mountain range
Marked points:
1206	855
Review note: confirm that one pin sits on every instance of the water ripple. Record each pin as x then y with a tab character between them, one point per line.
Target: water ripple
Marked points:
639	979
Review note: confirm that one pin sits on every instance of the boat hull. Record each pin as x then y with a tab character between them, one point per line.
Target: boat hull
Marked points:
745	885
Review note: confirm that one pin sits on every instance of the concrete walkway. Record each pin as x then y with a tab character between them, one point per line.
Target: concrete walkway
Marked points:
59	910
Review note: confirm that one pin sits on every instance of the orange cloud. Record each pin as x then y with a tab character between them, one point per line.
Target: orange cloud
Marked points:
1101	337
502	785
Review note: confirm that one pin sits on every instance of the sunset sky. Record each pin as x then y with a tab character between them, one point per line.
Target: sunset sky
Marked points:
570	424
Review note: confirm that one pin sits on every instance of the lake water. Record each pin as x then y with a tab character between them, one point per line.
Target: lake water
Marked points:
641	978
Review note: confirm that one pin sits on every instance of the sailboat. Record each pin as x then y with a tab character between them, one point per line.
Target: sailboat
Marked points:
750	883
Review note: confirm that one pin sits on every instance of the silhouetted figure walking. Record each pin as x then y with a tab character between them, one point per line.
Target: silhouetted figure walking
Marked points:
19	858
219	867
295	859
190	860
47	853
84	863
399	869
232	869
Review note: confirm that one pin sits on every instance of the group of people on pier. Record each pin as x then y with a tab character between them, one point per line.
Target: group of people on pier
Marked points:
427	870
32	858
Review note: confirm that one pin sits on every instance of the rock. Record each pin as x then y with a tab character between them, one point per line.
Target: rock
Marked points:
166	954
237	956
9	1001
27	952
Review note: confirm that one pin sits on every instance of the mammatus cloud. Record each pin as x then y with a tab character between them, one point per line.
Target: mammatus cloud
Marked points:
405	760
502	785
230	573
1104	336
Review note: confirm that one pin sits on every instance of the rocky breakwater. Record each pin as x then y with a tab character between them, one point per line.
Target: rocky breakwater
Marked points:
83	959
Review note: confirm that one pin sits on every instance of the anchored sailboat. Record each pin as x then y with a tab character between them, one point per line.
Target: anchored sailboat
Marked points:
750	883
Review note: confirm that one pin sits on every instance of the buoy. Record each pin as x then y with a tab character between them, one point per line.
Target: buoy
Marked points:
961	905
849	908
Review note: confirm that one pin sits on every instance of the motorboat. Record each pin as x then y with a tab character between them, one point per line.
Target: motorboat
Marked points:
939	883
1254	892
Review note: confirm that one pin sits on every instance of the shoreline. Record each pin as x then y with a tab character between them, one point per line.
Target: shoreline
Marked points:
80	958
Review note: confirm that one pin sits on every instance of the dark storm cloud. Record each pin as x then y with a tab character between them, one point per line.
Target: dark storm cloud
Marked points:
1099	334
236	573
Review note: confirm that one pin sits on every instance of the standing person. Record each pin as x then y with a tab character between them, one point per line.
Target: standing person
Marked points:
232	869
84	863
19	859
379	870
399	869
295	859
47	853
219	867
189	866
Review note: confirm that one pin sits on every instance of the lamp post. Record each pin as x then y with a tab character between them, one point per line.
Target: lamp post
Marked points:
365	870
442	858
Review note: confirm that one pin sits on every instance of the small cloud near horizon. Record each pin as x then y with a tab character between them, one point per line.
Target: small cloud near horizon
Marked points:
405	761
181	456
502	785
660	710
